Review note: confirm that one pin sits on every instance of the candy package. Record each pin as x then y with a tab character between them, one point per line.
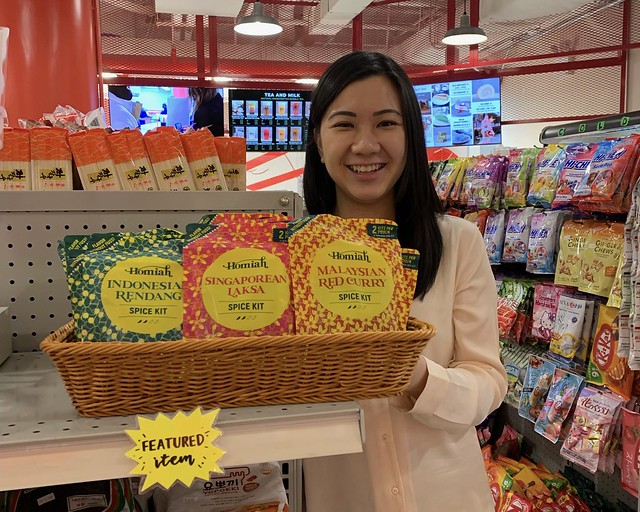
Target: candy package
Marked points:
563	391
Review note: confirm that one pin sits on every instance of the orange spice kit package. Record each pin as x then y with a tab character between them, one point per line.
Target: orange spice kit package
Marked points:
347	275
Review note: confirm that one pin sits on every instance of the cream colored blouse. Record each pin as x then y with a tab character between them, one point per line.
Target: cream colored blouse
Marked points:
425	457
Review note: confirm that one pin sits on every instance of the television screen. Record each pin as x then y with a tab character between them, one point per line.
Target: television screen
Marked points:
462	113
270	120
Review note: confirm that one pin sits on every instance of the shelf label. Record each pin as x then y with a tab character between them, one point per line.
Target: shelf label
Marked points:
168	450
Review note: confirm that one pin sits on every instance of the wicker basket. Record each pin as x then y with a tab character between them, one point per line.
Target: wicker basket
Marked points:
121	378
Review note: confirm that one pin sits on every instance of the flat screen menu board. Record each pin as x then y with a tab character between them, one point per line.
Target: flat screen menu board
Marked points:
462	113
270	120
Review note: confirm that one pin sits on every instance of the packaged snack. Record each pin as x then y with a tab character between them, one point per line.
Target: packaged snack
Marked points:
15	160
516	236
237	280
582	353
600	257
563	391
573	237
545	178
133	166
482	182
127	288
203	159
542	247
494	236
233	159
630	451
479	218
521	165
50	159
606	368
545	308
575	167
536	384
567	328
251	488
448	177
348	275
590	426
95	166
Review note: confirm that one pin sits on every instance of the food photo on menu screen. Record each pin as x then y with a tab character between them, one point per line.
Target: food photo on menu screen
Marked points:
461	113
270	120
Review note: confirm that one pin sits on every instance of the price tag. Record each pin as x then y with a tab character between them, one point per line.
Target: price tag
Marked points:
168	450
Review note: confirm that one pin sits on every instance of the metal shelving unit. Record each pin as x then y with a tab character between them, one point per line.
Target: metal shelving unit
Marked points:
43	441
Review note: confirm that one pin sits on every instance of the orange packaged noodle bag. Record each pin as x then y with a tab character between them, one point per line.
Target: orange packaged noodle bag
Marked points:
347	275
237	280
233	158
94	163
203	159
15	160
573	237
50	159
602	251
605	367
168	159
133	166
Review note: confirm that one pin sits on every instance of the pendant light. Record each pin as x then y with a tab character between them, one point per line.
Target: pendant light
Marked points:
258	23
465	34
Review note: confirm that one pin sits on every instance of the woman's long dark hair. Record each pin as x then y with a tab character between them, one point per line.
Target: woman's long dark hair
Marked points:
417	204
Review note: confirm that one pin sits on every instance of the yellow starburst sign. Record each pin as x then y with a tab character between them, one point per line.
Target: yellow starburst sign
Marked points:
180	448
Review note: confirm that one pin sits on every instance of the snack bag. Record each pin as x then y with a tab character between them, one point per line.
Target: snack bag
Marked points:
233	159
575	167
128	287
602	252
629	470
567	329
133	166
251	488
606	368
95	166
592	421
573	238
237	280
545	308
545	178
15	160
521	165
543	241
516	237
479	218
494	235
203	159
448	177
534	390
563	391
50	159
348	275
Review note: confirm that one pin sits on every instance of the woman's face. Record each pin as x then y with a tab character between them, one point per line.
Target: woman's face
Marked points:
363	145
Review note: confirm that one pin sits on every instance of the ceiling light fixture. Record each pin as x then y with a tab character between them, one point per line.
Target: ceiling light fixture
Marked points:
258	23
465	34
307	81
222	79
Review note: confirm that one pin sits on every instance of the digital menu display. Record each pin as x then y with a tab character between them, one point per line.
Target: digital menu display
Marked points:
463	113
270	120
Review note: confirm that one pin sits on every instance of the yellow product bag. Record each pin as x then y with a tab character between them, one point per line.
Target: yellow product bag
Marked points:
347	275
573	237
602	253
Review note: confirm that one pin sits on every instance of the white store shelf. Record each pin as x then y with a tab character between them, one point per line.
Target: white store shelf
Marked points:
43	441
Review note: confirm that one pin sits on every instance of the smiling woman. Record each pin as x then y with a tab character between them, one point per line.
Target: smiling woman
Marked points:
365	158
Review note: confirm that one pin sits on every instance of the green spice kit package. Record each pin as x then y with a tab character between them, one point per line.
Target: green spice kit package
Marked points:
126	287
